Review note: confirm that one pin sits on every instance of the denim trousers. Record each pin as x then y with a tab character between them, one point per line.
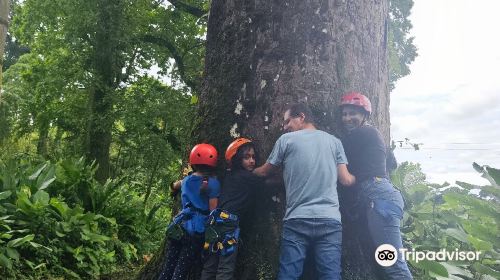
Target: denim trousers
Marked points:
322	236
384	211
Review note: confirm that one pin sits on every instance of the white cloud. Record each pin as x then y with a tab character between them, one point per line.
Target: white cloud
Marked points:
453	93
473	101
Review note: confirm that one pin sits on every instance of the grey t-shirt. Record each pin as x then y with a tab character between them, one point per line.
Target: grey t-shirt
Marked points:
309	159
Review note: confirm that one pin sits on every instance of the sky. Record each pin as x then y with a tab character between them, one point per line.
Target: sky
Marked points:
450	103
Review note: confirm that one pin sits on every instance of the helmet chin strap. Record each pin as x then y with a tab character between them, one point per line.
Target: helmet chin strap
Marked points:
365	120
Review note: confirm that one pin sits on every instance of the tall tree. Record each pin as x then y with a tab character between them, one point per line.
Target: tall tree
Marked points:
95	50
107	62
402	51
263	55
75	45
4	25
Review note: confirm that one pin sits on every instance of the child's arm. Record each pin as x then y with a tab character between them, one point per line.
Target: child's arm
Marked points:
265	170
175	187
212	203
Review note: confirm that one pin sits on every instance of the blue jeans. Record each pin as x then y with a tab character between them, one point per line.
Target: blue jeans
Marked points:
323	236
384	211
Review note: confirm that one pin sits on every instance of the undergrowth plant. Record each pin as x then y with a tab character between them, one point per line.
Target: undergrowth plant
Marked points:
56	219
463	217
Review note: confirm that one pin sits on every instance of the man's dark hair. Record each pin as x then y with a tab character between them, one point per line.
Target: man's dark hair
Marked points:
297	108
237	160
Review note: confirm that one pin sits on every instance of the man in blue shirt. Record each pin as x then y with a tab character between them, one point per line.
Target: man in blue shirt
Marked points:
312	161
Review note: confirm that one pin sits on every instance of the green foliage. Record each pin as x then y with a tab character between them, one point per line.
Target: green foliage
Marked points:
176	39
60	54
491	174
87	58
445	217
56	219
402	51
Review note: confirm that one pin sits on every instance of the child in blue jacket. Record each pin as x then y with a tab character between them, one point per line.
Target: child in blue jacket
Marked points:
199	195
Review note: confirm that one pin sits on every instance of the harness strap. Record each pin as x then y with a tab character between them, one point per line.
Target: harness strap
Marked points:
222	233
196	209
204	186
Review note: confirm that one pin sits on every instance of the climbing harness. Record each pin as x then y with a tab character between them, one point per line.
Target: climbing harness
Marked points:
191	219
222	232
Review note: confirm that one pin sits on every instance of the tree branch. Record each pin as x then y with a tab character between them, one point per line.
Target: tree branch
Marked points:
195	11
175	54
130	66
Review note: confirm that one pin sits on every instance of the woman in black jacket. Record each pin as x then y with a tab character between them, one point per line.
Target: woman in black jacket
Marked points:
380	204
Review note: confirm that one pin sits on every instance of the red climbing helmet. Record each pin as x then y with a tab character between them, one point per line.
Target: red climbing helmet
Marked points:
203	154
357	99
234	146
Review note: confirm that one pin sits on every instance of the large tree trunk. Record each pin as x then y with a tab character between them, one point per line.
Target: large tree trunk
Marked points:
262	55
43	137
4	25
107	69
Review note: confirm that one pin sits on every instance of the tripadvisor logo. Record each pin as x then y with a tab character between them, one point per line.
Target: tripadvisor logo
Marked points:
387	255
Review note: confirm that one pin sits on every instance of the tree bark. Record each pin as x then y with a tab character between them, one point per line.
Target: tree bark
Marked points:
4	25
43	136
107	68
262	55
